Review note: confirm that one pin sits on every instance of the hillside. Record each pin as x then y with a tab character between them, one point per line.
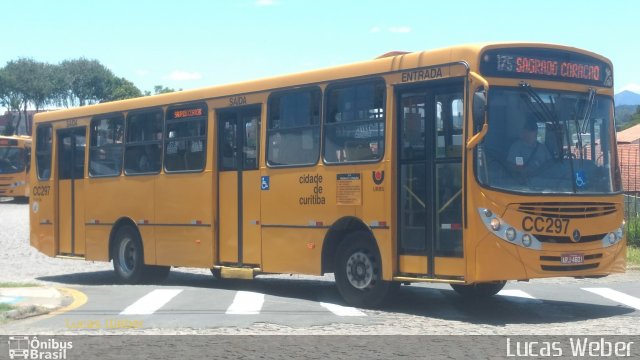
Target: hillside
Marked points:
627	98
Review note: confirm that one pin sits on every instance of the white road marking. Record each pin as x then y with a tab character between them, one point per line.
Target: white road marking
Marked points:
518	295
246	303
616	296
151	302
342	310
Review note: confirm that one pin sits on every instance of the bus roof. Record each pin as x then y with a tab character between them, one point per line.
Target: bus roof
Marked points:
389	62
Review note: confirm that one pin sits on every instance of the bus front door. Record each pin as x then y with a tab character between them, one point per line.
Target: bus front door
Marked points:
71	156
239	186
429	142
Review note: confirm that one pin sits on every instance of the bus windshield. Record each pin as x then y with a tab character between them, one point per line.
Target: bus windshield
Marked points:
11	160
544	141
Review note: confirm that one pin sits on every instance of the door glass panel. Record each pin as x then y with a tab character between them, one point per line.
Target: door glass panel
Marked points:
413	127
413	207
228	158
80	147
449	209
250	148
449	123
71	158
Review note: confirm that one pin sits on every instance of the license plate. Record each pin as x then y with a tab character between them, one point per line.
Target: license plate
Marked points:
572	258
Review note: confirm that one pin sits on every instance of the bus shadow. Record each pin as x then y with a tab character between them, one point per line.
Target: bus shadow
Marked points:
436	303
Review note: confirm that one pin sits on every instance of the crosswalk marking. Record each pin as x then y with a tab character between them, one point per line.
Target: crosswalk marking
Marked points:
151	302
342	310
518	296
616	296
246	303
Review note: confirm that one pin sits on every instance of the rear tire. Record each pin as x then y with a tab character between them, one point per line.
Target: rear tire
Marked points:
479	290
358	271
128	257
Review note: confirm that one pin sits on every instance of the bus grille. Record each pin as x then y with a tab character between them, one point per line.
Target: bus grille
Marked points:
569	267
583	210
576	267
567	239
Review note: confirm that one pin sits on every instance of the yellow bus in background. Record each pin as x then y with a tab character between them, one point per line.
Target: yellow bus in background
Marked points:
411	167
15	161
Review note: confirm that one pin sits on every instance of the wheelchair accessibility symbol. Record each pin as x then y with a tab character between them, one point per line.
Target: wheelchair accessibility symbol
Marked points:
264	183
581	179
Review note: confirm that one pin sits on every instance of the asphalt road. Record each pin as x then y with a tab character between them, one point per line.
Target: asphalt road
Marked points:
193	302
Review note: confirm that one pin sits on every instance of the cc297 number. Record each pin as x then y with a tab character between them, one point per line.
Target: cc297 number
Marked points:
547	225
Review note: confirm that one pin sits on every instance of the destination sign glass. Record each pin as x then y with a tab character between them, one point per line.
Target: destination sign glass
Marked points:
546	64
182	113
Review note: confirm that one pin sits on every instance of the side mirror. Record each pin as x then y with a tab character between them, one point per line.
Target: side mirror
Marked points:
479	109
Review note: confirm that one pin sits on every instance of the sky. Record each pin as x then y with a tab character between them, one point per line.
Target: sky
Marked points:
188	44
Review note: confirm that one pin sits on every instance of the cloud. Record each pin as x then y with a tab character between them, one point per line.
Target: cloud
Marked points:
142	72
375	29
400	29
631	87
179	75
265	2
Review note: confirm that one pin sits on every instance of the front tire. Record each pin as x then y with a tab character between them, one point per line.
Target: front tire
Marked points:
479	290
358	271
128	257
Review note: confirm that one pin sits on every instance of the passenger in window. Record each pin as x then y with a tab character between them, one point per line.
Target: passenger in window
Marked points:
526	155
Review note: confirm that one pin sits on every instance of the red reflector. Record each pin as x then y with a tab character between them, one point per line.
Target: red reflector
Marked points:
456	226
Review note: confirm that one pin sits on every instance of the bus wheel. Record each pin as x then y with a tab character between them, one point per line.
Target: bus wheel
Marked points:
128	260
480	290
358	271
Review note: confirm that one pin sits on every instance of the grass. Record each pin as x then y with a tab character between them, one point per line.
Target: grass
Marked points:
3	309
633	256
16	285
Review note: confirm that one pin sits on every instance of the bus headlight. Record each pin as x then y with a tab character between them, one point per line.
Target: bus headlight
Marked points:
526	240
620	232
495	224
506	232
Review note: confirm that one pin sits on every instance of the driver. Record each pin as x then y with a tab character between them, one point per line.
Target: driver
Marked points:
526	155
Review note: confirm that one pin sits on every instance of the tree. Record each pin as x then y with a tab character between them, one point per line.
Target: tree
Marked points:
159	89
87	82
27	83
121	89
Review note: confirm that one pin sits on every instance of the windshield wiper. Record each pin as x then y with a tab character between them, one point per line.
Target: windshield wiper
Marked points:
581	126
545	115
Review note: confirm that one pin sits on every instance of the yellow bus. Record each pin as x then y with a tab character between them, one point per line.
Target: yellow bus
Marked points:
15	160
412	167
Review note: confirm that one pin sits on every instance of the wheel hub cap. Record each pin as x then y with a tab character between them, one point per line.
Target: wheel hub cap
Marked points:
360	270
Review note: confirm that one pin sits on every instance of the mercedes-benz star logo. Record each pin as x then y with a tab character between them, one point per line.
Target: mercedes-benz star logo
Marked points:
576	236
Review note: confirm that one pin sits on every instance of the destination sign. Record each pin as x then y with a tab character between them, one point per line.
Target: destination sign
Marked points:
8	142
187	112
546	64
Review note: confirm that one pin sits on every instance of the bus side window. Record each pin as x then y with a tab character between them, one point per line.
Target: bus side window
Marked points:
354	128
44	137
105	148
293	128
186	138
143	149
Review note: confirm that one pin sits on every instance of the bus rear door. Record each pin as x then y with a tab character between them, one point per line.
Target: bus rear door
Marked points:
239	186
71	158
